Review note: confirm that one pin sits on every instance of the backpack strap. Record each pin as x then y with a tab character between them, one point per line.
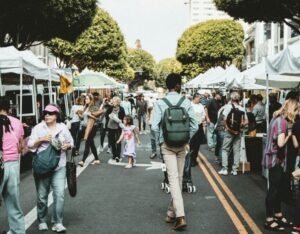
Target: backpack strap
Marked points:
181	100
167	102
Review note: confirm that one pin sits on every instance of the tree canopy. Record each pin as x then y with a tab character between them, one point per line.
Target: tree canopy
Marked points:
142	63
101	47
164	68
23	23
287	11
208	44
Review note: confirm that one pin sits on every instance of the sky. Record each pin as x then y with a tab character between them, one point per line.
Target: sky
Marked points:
157	23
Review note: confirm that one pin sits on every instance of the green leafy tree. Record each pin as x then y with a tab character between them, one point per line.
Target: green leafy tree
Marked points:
25	23
101	47
142	63
164	68
208	44
287	11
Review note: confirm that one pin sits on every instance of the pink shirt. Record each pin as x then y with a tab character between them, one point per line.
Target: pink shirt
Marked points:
10	141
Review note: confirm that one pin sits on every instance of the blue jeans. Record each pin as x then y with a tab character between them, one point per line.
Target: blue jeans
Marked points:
10	190
211	137
220	138
57	182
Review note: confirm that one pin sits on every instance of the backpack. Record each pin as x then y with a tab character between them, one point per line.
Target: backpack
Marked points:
176	124
234	120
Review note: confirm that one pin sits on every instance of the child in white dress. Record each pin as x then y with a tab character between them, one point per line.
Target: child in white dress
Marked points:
128	134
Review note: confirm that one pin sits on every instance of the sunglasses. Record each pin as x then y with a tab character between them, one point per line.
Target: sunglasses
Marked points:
49	113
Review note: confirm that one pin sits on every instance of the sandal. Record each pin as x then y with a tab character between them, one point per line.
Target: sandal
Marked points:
269	225
81	163
96	162
282	221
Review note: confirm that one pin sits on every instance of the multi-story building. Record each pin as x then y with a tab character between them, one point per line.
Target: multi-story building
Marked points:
265	39
43	53
203	10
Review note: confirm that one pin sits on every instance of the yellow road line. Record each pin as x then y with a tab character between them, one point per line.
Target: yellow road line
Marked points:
252	225
237	223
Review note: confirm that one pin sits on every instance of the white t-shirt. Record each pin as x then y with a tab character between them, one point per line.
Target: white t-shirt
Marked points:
73	115
199	111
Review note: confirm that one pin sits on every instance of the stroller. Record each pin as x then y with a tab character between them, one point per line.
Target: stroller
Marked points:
187	184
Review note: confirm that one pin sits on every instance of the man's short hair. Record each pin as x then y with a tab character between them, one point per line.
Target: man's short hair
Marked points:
172	80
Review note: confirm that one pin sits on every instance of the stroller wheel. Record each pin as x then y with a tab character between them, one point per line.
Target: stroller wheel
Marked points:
190	189
162	186
167	189
194	188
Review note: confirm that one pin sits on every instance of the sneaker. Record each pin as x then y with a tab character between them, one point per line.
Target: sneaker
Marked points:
153	155
223	172
43	227
59	228
117	159
128	166
234	172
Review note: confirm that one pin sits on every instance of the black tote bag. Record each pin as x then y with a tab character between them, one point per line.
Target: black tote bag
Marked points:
71	175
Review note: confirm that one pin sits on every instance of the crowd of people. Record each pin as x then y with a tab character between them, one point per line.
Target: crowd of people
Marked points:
175	121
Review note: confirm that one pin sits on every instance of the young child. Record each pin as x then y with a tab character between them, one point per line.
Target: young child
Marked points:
128	134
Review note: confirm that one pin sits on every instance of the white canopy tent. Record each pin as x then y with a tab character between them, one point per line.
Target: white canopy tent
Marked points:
23	62
226	78
211	76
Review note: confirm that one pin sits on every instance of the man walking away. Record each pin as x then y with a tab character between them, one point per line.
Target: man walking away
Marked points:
212	107
174	154
126	105
141	106
234	119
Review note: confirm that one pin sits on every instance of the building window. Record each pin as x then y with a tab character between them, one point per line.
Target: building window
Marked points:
267	31
281	30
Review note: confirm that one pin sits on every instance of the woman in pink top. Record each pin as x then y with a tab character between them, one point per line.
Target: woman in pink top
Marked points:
11	135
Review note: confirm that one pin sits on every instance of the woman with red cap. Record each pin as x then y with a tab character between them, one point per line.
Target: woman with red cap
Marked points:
39	140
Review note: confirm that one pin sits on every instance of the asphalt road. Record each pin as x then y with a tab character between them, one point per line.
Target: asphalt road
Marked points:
112	199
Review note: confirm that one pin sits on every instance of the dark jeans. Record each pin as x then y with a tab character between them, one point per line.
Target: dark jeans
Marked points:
274	194
90	144
75	130
153	141
103	131
113	137
195	143
79	138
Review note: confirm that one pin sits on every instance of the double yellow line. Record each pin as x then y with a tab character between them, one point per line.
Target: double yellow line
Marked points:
233	216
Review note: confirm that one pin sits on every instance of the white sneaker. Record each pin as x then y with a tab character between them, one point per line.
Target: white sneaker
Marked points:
234	172
43	227
223	172
59	228
128	166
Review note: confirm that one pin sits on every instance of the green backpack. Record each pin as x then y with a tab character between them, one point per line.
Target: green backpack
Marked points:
176	124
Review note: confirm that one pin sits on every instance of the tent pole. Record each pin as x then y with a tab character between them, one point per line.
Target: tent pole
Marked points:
21	95
1	86
267	102
50	86
34	100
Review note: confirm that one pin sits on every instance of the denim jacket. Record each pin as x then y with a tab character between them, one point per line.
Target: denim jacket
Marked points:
159	109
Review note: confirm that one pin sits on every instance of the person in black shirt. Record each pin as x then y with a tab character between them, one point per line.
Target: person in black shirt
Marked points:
274	105
211	110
